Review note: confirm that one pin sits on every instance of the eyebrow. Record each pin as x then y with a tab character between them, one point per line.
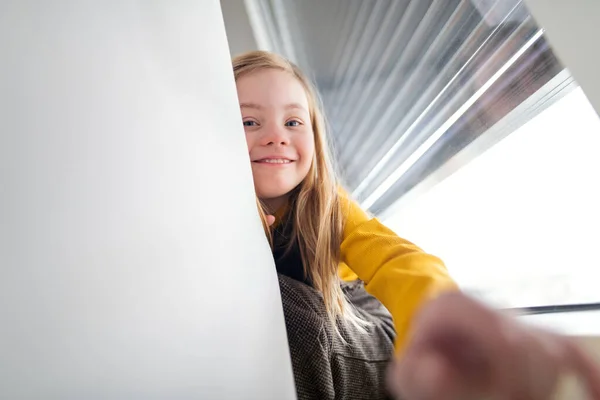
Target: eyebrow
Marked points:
290	106
251	105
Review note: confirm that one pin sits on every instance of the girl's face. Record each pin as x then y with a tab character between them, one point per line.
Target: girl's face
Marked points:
278	132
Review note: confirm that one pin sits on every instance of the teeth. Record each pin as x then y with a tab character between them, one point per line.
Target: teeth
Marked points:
276	161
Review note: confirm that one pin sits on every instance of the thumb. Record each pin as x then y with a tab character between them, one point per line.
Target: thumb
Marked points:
270	220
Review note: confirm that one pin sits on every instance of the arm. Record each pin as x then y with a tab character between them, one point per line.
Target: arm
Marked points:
394	270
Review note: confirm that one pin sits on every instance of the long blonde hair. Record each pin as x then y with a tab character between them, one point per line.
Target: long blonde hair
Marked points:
315	206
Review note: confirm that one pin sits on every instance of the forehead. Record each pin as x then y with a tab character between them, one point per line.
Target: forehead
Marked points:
271	89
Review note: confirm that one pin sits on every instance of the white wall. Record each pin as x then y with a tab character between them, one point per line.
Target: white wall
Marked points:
237	24
573	28
132	260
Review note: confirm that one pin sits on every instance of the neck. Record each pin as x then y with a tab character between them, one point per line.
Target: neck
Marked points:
274	204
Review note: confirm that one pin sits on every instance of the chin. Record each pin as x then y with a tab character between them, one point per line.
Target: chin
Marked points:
267	194
273	190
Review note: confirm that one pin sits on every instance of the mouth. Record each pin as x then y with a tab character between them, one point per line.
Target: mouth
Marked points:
274	161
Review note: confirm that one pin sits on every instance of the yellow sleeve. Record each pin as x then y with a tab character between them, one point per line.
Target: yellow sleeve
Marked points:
395	271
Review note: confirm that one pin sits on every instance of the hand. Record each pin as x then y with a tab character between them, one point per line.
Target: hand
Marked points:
460	349
270	220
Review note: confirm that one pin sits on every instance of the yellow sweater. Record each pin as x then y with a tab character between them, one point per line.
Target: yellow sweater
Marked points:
395	271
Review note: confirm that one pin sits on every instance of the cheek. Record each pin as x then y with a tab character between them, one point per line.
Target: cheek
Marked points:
306	149
252	142
249	142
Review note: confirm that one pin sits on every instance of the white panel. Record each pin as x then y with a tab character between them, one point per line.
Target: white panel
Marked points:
132	260
573	28
237	25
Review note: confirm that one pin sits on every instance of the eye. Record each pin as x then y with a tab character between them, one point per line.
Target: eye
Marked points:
250	123
293	122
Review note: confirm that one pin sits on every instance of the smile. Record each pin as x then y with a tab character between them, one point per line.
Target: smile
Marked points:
274	161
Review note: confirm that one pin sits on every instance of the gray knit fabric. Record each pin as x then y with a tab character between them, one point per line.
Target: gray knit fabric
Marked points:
324	366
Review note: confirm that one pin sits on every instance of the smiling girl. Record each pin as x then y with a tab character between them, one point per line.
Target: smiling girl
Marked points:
328	251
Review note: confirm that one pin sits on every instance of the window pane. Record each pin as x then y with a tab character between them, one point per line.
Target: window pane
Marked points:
455	123
519	224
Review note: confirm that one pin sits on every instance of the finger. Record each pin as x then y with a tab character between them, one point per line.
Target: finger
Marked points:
472	337
426	376
536	369
583	366
270	220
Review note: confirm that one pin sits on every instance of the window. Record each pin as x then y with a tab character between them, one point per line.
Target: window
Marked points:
455	123
519	224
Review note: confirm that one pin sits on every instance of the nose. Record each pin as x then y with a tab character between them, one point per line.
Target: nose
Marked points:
275	136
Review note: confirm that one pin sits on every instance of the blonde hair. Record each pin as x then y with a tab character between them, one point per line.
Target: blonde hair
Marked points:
315	206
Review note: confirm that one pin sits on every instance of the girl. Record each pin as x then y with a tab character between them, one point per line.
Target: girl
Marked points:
448	346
